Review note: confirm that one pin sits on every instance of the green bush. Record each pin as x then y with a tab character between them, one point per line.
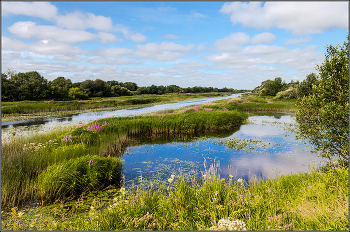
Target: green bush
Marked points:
290	93
77	176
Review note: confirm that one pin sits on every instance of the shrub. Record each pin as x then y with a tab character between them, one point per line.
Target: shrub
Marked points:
290	93
77	176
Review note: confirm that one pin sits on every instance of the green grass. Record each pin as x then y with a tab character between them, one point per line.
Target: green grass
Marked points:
24	159
31	107
316	200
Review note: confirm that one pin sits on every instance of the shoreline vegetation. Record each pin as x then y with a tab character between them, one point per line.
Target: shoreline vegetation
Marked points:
316	200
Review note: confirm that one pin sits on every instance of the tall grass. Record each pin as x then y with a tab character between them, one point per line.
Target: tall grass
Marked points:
24	159
316	200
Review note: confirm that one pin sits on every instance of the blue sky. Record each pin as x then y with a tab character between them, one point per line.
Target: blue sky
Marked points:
220	44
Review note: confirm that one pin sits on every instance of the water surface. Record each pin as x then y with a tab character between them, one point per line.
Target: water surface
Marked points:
40	125
281	153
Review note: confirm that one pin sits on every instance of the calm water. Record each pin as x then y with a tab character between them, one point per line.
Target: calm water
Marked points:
24	128
278	152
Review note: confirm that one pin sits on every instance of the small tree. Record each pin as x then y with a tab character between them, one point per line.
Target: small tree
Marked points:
323	116
76	93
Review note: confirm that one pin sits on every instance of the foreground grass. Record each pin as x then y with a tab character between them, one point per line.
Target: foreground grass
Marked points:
25	109
317	200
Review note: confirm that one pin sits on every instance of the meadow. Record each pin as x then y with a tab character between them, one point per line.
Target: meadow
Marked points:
83	165
19	110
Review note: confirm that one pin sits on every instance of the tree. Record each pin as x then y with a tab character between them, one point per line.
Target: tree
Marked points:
60	87
76	93
323	116
29	86
305	87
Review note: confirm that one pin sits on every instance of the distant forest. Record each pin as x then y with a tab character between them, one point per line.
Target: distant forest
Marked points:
33	86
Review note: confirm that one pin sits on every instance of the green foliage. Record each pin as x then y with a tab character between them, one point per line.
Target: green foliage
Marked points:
324	116
316	200
271	88
117	90
77	176
305	87
290	93
60	87
76	93
25	86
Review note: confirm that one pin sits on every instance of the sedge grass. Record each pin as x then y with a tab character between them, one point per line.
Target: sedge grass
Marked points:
316	200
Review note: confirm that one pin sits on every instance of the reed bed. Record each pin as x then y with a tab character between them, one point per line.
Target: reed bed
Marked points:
316	200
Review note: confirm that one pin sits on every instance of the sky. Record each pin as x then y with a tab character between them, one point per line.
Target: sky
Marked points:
210	44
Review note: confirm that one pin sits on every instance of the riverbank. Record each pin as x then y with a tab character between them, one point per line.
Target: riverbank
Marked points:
26	110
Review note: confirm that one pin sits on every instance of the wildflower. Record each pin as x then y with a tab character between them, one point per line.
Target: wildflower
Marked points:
170	180
20	214
185	120
172	176
122	190
91	162
240	180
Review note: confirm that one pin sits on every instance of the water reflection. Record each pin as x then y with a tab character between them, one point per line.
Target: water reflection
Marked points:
283	155
45	124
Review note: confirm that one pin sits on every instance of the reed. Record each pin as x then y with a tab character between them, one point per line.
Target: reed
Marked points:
316	200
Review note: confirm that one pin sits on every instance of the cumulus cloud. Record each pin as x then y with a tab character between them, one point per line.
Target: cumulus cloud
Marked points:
232	42
30	30
113	52
43	47
297	17
82	21
34	9
136	37
108	37
192	64
164	51
265	37
298	41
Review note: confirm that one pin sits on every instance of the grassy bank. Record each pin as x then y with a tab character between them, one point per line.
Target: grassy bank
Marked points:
317	200
10	110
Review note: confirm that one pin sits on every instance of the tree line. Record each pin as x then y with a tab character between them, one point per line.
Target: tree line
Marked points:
282	90
33	86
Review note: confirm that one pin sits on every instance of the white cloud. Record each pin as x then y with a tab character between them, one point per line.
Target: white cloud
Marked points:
35	9
82	21
108	37
265	37
263	49
199	15
192	64
42	47
136	37
171	36
30	30
298	41
164	51
232	42
113	52
200	47
298	17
